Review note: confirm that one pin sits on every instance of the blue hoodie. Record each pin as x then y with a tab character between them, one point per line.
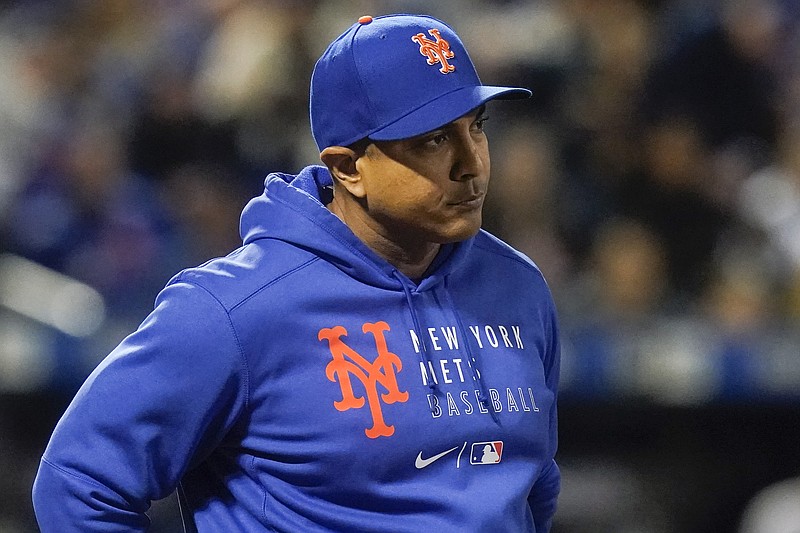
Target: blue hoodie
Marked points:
303	384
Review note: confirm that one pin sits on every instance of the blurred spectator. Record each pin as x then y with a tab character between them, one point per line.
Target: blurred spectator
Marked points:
769	199
206	202
723	77
741	315
253	71
522	205
670	198
613	309
168	131
84	213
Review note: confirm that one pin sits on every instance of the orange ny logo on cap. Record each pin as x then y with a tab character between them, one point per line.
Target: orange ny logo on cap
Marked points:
437	51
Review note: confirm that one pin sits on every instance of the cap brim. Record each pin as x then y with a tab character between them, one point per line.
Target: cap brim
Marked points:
444	110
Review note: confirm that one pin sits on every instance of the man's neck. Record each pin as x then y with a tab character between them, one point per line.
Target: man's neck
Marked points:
410	258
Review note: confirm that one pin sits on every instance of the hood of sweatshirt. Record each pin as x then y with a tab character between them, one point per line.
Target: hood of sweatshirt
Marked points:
289	210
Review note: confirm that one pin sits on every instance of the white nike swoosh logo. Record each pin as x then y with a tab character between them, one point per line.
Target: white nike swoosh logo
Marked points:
422	463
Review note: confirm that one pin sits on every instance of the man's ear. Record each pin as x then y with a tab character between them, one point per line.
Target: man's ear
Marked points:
341	162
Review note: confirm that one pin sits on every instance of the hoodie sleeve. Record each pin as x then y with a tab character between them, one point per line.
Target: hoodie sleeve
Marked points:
157	405
543	498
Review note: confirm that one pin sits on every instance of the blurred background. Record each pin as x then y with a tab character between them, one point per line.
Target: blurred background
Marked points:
654	177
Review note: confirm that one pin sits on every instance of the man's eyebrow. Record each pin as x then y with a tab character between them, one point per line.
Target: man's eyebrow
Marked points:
477	114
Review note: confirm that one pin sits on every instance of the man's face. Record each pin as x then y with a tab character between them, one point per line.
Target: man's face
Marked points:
428	188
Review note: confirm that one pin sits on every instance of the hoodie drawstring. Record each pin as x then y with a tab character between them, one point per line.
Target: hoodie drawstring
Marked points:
472	362
424	357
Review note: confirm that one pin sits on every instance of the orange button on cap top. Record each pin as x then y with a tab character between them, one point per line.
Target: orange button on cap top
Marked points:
366	19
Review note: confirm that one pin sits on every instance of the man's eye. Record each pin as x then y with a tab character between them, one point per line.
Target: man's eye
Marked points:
480	124
436	139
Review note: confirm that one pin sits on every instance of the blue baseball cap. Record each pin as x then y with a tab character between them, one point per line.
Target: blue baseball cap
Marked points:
394	77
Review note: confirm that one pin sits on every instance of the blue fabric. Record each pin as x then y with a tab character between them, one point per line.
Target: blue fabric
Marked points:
282	389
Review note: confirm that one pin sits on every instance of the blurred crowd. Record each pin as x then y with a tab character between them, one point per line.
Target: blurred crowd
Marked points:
654	176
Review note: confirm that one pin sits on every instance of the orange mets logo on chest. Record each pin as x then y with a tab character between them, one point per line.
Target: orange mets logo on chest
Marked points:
437	51
348	363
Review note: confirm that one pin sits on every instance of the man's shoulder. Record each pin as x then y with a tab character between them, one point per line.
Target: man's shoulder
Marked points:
500	251
507	271
234	278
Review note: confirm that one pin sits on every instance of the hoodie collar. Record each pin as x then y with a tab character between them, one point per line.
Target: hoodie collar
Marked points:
292	209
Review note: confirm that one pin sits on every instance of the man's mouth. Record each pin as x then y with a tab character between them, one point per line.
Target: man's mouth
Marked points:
474	200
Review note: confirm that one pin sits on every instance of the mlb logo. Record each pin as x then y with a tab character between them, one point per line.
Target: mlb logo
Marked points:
486	453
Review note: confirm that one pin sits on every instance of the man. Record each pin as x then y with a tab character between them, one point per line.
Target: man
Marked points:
368	360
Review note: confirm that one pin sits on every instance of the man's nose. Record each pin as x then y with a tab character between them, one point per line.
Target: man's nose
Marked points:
469	161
